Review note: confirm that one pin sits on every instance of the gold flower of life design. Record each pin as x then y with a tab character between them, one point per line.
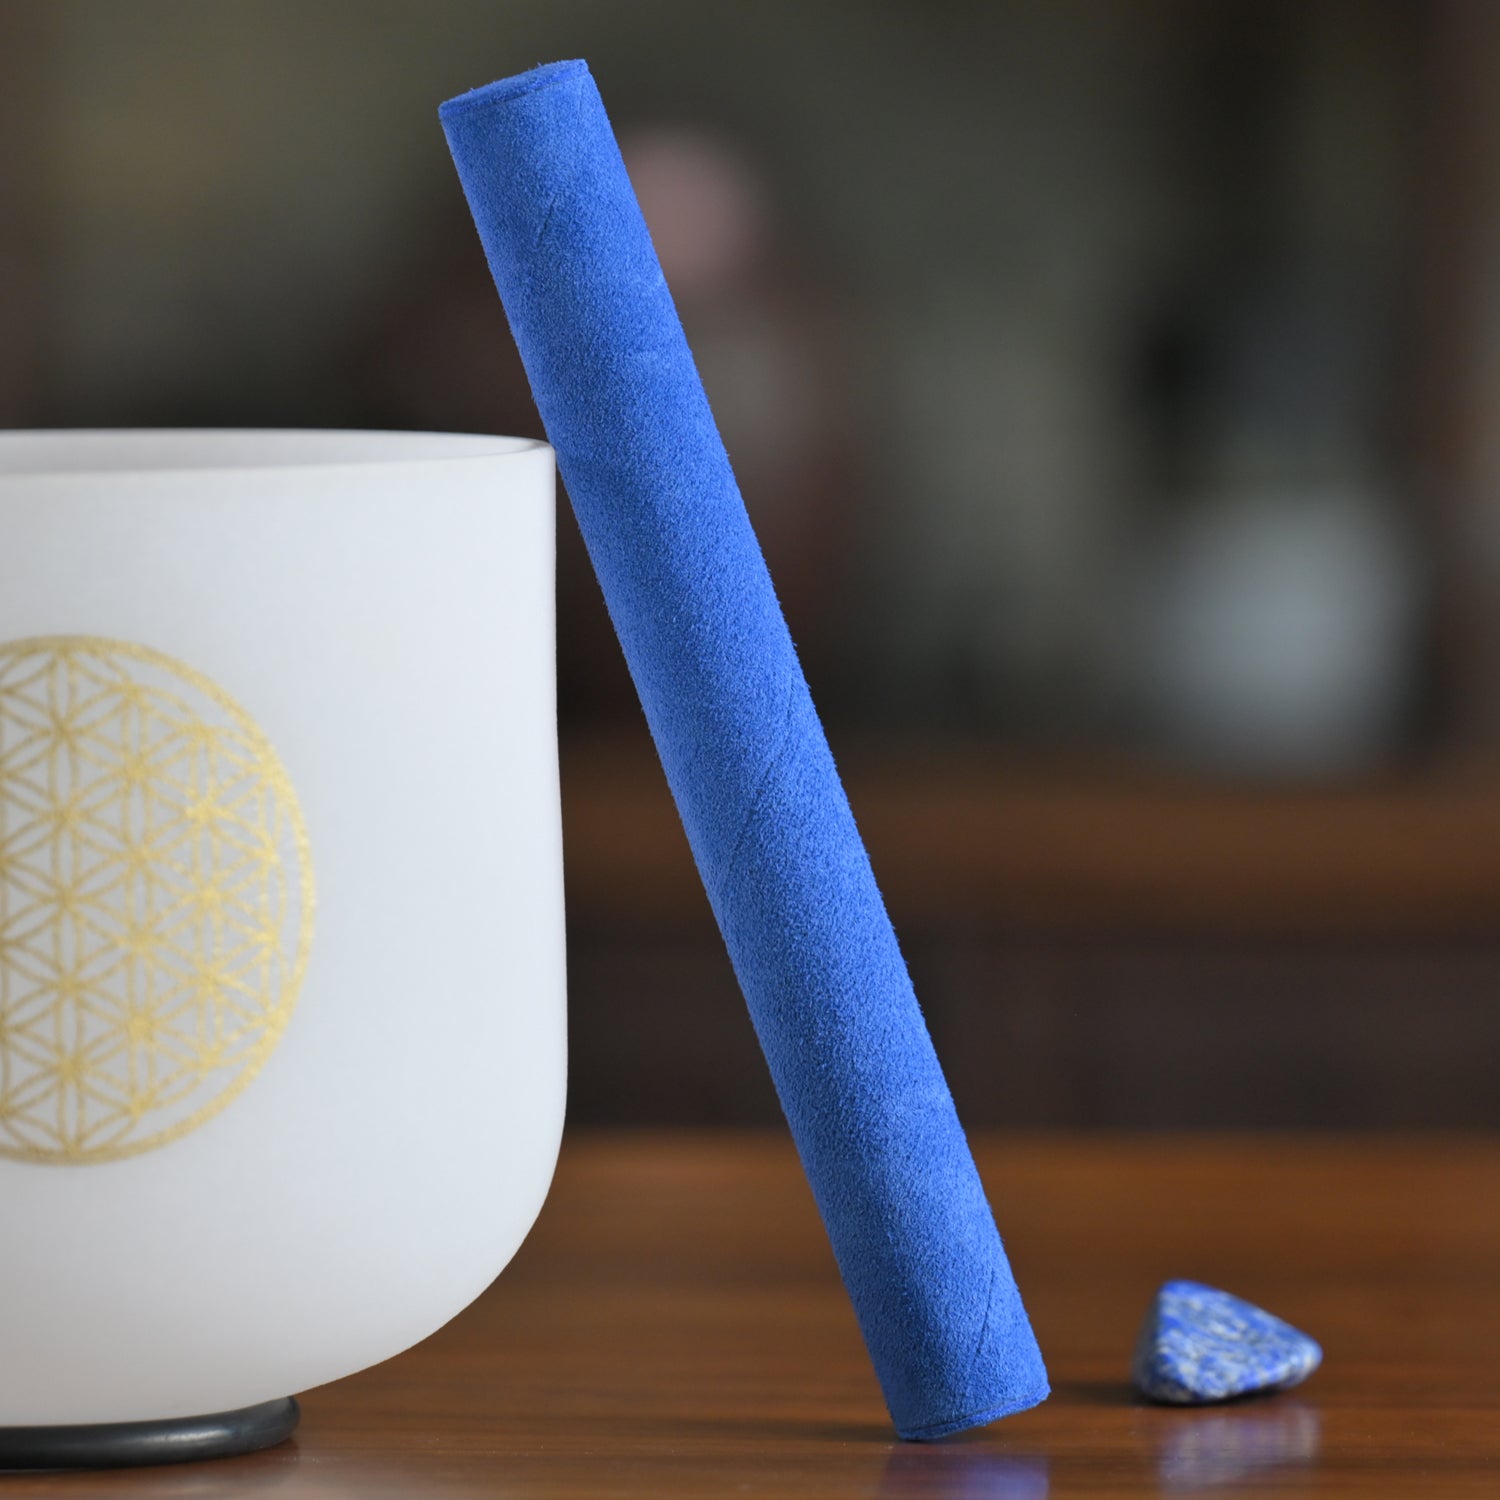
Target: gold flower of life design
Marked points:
156	899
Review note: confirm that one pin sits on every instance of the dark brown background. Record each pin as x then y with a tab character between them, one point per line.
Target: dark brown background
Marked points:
1001	306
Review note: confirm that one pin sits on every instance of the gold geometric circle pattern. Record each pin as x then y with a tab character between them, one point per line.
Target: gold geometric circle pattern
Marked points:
156	899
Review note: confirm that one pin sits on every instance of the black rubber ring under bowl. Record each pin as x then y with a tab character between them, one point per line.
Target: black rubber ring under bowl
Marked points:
175	1440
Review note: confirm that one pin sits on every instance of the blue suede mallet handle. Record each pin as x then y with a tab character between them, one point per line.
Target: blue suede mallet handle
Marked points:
744	752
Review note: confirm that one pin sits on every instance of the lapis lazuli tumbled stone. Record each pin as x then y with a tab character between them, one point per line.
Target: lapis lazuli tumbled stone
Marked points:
1199	1344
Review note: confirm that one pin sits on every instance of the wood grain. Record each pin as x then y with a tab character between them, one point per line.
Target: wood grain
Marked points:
675	1327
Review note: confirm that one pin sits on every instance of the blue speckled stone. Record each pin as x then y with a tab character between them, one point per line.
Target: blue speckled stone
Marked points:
1199	1344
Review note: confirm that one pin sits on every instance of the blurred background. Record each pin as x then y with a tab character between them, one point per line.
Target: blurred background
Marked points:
1113	384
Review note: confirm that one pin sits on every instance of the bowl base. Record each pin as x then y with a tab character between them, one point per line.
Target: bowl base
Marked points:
174	1440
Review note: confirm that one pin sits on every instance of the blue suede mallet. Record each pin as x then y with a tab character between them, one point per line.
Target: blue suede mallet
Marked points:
744	752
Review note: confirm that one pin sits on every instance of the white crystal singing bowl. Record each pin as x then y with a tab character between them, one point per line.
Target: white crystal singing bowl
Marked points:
282	1043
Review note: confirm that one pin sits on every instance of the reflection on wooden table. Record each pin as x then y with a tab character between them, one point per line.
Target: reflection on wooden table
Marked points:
675	1326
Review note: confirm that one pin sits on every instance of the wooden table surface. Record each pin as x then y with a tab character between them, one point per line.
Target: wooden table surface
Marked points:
675	1327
